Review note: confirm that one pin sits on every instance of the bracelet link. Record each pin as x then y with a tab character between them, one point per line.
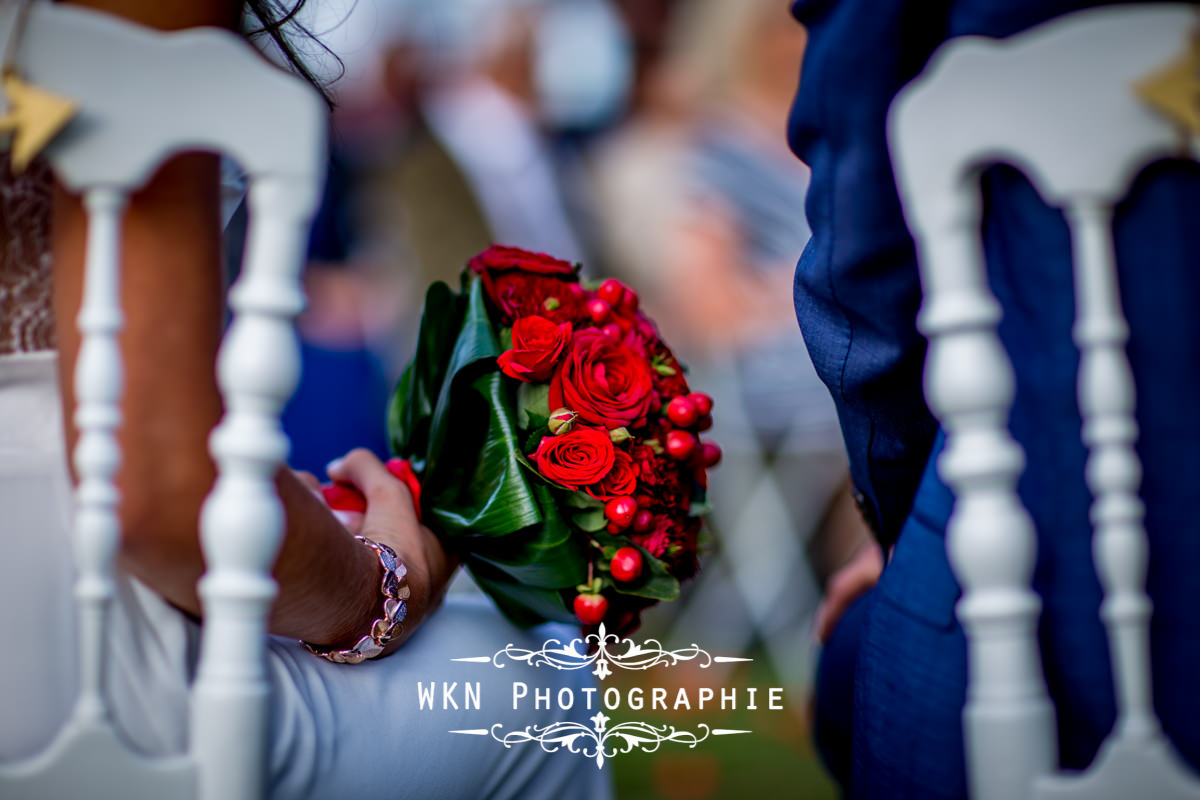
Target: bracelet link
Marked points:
395	590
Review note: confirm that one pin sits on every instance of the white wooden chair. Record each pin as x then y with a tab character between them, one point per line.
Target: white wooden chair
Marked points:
1057	102
144	96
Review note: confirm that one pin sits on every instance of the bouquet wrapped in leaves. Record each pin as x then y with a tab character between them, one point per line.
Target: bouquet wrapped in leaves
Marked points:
556	441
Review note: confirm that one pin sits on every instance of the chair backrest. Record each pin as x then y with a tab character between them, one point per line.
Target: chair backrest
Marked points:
144	96
1058	103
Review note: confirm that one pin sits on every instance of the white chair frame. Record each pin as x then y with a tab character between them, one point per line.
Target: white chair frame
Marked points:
1058	103
144	96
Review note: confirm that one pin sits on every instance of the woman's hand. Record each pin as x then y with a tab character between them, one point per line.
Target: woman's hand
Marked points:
851	581
391	519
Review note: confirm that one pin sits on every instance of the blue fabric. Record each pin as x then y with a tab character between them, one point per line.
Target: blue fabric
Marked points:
857	294
340	404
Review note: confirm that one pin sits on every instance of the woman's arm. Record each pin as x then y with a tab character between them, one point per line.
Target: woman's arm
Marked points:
173	302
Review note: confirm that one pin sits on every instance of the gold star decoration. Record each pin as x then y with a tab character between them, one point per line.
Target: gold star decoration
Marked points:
35	116
1174	89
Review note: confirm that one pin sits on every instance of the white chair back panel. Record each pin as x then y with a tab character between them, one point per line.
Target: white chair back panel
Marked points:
159	98
144	96
1058	103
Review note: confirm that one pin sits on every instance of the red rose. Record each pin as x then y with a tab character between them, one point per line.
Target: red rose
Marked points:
604	382
575	459
501	258
538	344
621	481
521	294
521	282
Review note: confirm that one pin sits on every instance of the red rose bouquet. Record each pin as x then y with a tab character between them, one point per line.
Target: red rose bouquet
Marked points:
556	441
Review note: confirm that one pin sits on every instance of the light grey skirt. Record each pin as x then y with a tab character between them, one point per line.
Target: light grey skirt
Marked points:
337	731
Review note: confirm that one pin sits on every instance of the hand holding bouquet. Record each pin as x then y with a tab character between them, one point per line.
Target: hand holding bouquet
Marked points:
556	440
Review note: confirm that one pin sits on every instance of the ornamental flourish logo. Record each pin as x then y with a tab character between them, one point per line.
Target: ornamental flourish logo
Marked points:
604	653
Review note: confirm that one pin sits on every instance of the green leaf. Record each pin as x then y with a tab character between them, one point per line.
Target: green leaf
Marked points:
533	400
524	606
411	409
550	555
591	520
582	500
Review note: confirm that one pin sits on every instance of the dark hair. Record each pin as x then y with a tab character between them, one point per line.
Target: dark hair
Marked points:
279	22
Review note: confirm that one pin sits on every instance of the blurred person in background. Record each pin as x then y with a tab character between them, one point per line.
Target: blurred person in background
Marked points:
479	105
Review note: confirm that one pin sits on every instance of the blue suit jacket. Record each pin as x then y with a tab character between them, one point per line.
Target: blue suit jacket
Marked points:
892	683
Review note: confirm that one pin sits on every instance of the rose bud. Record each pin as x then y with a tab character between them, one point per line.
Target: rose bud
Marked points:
590	608
611	291
680	445
682	411
620	512
704	403
621	434
561	421
643	520
710	454
598	310
626	564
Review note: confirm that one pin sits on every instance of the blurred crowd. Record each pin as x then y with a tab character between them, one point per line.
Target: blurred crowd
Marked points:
643	138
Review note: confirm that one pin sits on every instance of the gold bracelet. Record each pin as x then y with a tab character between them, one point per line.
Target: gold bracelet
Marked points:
395	591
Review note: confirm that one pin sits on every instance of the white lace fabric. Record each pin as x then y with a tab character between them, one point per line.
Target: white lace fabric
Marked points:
26	311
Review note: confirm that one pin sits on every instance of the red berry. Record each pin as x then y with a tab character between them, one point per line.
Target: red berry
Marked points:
683	412
621	511
710	454
643	520
680	445
611	291
704	403
629	301
612	331
655	403
598	310
626	564
644	500
591	608
613	528
576	290
704	423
